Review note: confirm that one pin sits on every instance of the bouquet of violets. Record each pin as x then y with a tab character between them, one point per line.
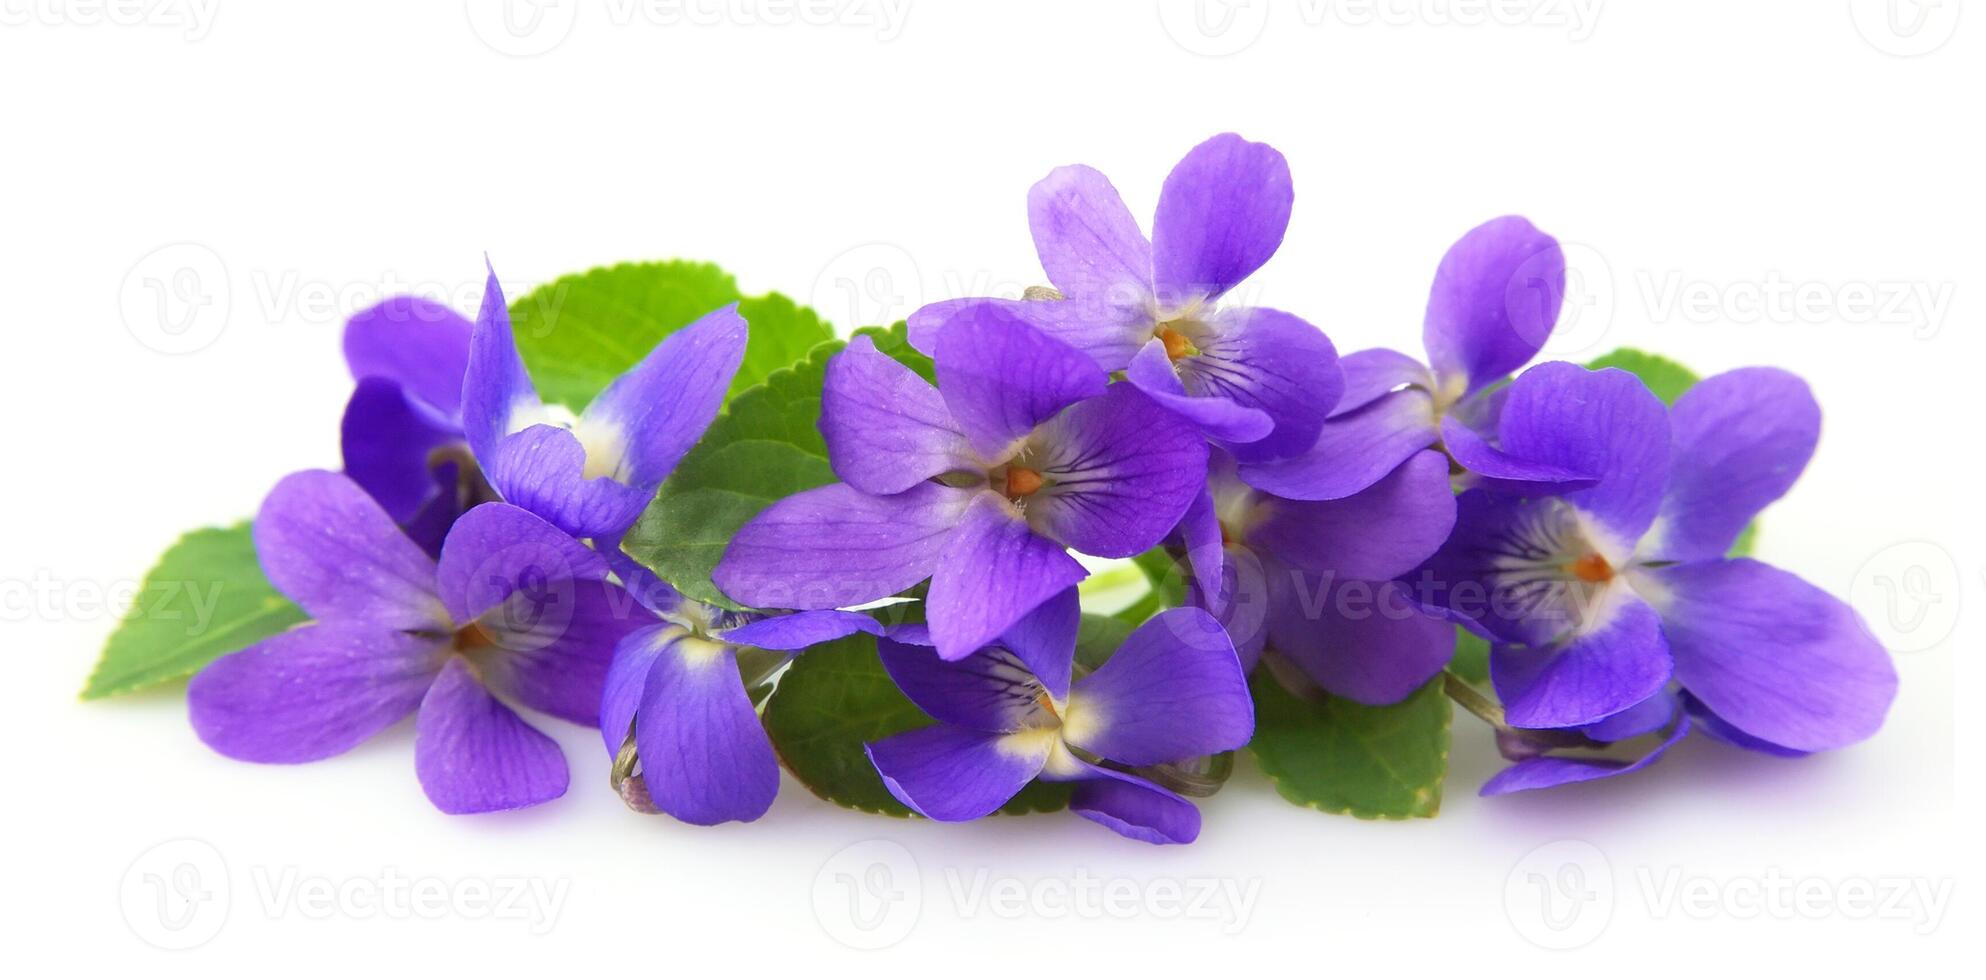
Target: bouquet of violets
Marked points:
637	500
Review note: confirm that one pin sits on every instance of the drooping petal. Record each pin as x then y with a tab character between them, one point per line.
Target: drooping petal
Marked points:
1218	417
627	677
704	755
1741	438
416	343
951	773
1650	714
993	570
324	543
886	428
990	691
387	439
495	386
661	406
1495	299
550	650
800	630
1377	533
498	549
1547	771
1172	691
836	546
1088	241
1363	640
1771	654
1375	372
1221	214
1495	469
1352	451
1605	424
1610	667
312	692
475	755
1119	473
1109	333
1137	808
1270	361
543	469
1001	377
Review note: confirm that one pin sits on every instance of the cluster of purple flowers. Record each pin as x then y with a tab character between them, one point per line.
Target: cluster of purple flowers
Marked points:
1337	515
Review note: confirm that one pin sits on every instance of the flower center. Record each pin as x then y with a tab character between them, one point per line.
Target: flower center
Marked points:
1177	345
1591	568
473	637
1022	482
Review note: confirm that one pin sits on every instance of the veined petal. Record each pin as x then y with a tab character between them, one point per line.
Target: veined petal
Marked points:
1495	299
1602	670
1547	771
1493	468
886	428
543	470
495	386
704	755
951	773
1363	640
1136	808
1045	640
551	650
1088	241
312	692
1218	417
1106	330
1382	531
1352	451
1120	471
1375	372
497	549
474	755
1604	423
1173	691
1740	440
1001	377
419	344
1221	214
991	690
662	405
993	570
324	543
836	546
1270	361
387	440
627	677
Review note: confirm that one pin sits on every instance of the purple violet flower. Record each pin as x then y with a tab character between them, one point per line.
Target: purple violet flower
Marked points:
1010	713
1596	599
592	475
514	608
1495	299
1312	579
1258	381
982	484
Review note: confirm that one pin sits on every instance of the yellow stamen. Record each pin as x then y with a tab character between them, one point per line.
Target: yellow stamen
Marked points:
1022	481
1591	568
1176	343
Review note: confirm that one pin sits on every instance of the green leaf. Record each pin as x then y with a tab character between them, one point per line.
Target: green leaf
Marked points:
1747	540
782	332
1667	379
206	597
835	698
1471	659
1099	637
766	445
578	333
1340	756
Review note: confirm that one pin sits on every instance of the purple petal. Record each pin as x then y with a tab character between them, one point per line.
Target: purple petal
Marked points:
1375	372
1137	808
324	543
1096	325
1120	472
553	645
1648	715
1772	655
648	589
1723	731
1547	771
495	385
543	470
1495	299
1498	470
1221	214
417	343
992	571
1605	424
800	630
1367	641
836	546
661	406
1382	531
1740	440
1173	691
990	691
1088	242
1045	640
387	440
1273	362
704	755
474	754
1000	377
312	692
1200	532
497	549
886	428
950	773
1352	451
1218	417
1607	668
627	677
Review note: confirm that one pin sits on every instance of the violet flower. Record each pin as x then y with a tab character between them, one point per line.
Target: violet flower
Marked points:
982	484
514	610
592	475
1312	579
1596	599
1009	714
1495	298
1258	381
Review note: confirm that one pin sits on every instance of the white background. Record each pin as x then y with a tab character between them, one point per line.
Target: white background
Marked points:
302	160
